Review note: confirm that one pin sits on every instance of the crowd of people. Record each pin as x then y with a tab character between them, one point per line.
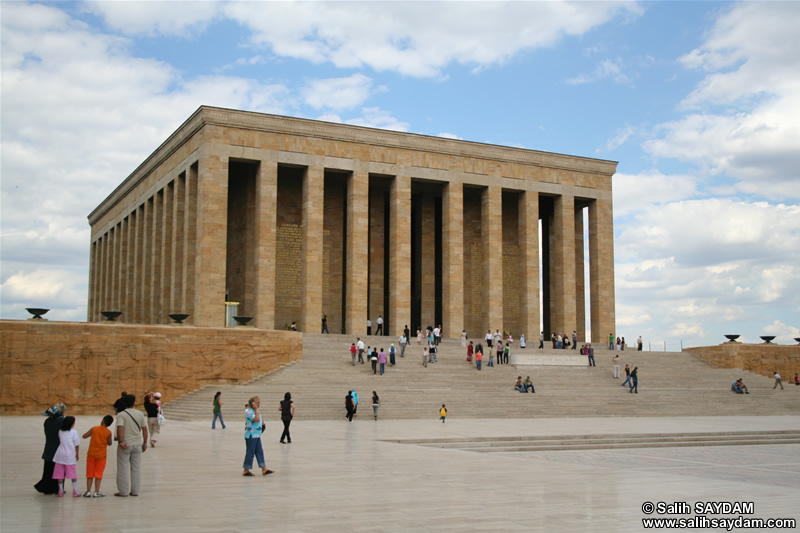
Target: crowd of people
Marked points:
133	431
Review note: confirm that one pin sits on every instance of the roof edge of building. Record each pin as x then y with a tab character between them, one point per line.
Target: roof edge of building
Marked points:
217	116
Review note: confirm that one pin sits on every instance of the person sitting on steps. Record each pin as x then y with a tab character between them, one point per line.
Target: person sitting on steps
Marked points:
739	387
528	383
519	386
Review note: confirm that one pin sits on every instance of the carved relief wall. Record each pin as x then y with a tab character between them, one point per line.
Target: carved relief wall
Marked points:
87	365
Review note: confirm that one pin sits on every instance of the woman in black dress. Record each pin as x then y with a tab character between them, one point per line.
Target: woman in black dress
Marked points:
348	404
287	413
55	416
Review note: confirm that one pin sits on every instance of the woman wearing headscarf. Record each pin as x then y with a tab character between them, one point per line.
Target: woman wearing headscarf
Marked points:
253	428
354	394
52	425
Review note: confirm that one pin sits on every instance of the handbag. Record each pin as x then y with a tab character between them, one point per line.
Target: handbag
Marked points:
161	419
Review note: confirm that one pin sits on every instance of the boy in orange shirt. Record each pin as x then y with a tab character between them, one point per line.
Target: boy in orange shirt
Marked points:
96	456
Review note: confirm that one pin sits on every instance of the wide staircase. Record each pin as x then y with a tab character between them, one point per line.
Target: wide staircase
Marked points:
670	384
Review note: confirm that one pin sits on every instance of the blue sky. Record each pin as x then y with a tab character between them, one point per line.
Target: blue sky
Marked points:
698	101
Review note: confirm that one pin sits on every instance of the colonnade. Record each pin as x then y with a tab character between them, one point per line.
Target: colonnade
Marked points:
189	245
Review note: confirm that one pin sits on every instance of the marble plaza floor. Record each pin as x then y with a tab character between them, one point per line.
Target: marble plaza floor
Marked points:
339	476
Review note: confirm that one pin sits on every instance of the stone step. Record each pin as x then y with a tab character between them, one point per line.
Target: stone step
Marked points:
597	442
674	384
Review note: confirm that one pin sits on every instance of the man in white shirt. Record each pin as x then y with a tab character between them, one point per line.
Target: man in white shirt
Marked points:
402	341
369	327
132	437
360	346
488	338
379	331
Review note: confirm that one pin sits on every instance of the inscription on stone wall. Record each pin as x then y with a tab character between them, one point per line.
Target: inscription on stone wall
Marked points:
288	266
511	277
326	261
476	278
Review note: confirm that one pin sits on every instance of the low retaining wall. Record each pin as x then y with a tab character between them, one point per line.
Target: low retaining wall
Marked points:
569	359
761	359
87	365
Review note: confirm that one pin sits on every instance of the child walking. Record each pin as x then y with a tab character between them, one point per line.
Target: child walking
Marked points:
66	456
443	413
96	456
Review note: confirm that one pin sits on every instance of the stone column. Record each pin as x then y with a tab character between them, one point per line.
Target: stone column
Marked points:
266	220
166	253
105	282
211	238
357	252
453	259
94	263
116	236
145	296
400	255
122	265
178	241
126	267
601	269
157	261
136	265
492	246
562	292
580	284
529	315
190	243
312	228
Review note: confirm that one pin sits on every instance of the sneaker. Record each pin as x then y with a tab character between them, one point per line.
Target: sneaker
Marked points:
99	495
60	493
87	494
76	494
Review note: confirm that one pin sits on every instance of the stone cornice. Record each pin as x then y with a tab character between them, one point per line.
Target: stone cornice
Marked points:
342	132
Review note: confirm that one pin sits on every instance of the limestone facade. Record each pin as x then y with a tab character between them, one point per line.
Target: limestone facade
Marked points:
296	219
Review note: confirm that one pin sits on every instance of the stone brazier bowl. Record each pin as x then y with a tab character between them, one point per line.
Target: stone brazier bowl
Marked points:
178	317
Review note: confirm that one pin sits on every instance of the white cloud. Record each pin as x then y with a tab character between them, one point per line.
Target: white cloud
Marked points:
416	38
182	18
79	114
607	69
633	193
446	135
753	70
338	93
784	334
374	117
621	137
708	265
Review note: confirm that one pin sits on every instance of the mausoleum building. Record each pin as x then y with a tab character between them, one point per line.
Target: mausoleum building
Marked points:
294	219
